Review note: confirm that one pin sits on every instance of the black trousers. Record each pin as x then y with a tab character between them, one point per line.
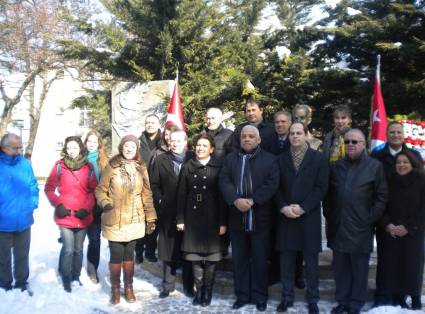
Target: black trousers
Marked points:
250	268
17	243
147	244
382	294
93	248
287	269
169	275
351	277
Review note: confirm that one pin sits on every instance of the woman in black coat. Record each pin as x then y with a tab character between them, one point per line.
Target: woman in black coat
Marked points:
402	247
303	184
164	179
201	214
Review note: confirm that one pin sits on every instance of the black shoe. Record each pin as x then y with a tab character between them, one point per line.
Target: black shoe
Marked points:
340	309
353	311
77	279
313	308
151	258
198	299
262	306
284	305
238	304
299	283
164	294
139	260
67	286
189	293
22	287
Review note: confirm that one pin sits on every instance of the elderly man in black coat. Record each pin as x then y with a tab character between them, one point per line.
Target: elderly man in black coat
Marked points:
248	181
356	199
164	183
222	136
395	144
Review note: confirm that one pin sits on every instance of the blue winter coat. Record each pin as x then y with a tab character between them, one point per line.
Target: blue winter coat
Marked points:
18	193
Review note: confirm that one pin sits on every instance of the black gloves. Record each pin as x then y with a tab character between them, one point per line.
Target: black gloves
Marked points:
61	211
150	227
108	207
81	213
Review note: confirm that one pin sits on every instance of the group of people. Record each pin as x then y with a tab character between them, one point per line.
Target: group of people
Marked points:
264	186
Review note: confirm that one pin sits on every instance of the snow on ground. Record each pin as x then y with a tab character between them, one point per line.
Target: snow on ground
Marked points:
50	298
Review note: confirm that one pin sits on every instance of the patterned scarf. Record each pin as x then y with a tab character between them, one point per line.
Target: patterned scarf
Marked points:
298	156
74	163
337	150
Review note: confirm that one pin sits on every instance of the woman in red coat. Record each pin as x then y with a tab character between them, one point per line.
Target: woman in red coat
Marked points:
70	189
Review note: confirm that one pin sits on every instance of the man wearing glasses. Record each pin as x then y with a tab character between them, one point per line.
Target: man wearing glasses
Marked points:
356	199
18	199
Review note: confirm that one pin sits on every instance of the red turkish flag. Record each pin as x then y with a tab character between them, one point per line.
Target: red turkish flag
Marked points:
175	110
378	115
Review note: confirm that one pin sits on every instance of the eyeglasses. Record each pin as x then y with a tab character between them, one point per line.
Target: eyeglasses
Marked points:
15	147
354	142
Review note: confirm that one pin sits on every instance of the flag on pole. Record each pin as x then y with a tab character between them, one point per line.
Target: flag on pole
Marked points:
378	116
175	109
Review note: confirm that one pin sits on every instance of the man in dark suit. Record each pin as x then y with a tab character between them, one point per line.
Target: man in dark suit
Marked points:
279	142
149	141
254	117
248	181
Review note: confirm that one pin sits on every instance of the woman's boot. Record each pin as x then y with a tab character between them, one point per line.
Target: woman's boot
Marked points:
128	267
198	275
416	302
209	274
115	274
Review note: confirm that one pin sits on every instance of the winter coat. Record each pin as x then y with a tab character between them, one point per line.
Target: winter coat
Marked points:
273	146
388	160
306	187
125	186
164	188
265	128
18	193
222	138
148	146
356	199
200	207
401	259
75	190
265	176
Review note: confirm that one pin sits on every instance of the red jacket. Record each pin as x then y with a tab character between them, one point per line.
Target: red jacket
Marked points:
74	190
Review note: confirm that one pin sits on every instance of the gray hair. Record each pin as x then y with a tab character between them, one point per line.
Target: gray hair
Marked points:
7	137
253	128
307	109
215	109
282	112
358	131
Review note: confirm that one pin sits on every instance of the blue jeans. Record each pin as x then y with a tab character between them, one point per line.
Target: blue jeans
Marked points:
19	244
71	255
93	249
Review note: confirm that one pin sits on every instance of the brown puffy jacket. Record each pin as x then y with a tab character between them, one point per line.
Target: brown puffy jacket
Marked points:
125	186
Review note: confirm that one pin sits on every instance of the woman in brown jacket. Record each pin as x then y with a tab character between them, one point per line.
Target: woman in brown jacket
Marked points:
125	195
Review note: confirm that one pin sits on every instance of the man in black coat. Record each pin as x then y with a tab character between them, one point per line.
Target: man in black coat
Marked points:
215	129
149	141
395	144
254	117
248	181
279	141
356	199
164	183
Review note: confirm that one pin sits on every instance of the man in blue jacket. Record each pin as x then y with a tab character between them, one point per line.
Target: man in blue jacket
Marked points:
18	199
